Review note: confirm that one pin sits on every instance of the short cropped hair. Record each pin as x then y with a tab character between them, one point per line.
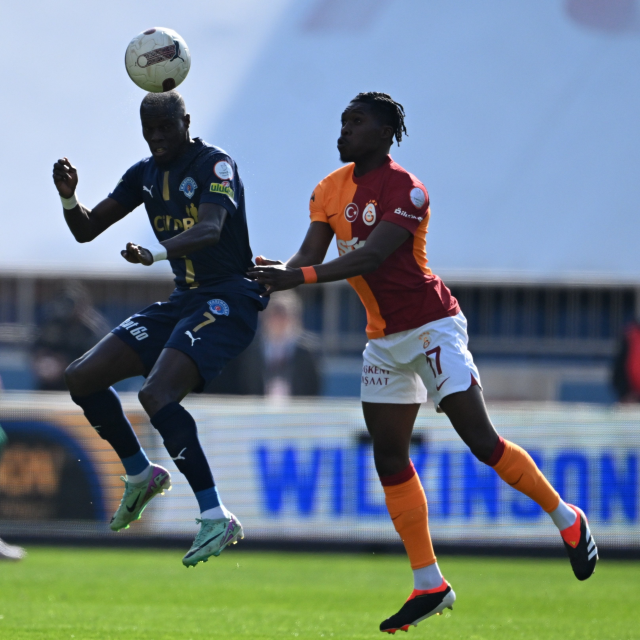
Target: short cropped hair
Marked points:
169	103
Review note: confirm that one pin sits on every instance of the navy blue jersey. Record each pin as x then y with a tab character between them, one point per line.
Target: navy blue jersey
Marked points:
172	196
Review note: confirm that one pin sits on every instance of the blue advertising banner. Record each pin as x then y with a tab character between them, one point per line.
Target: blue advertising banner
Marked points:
303	470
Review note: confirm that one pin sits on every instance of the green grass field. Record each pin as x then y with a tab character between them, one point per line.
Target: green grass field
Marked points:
109	594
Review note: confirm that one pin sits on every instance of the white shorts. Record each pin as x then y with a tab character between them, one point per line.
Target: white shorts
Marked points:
402	367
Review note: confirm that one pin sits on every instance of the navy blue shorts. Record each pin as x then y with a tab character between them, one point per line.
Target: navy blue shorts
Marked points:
211	329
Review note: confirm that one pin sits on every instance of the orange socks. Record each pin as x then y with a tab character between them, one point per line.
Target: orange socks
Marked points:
407	507
407	504
516	467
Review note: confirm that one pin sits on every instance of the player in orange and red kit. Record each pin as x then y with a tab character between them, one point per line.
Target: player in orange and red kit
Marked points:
379	214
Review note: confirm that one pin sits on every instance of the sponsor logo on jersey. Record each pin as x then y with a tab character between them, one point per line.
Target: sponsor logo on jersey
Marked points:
218	307
223	170
418	197
426	339
404	214
369	214
222	188
169	223
344	246
188	186
313	197
351	212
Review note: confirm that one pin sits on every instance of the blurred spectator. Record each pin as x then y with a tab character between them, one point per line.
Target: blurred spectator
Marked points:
71	328
626	367
281	361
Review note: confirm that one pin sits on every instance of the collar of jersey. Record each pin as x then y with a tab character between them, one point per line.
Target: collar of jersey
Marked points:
194	148
371	176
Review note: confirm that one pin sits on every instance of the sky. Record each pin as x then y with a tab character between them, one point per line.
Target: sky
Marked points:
522	119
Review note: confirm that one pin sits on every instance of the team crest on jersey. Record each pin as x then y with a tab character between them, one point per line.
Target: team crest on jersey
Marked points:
418	197
218	307
351	212
369	214
223	170
426	339
188	186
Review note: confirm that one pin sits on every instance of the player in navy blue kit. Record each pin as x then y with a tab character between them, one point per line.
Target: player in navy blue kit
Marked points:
195	201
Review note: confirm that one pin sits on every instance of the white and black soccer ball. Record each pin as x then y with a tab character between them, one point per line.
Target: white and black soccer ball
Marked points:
157	60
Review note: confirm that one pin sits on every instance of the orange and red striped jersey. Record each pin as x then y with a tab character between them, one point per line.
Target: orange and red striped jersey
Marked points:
402	293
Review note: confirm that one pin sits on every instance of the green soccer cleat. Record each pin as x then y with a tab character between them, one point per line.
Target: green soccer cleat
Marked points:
213	537
137	496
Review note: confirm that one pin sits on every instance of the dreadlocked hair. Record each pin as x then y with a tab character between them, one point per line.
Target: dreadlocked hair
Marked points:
388	109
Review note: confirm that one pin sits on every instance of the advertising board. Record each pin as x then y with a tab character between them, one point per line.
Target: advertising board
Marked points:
303	471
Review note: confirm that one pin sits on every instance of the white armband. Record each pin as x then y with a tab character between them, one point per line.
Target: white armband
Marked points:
157	251
69	203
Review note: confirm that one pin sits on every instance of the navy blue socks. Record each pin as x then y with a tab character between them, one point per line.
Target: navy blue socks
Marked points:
180	435
104	413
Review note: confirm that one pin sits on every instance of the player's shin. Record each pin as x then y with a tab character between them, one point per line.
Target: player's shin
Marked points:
407	506
516	467
104	413
218	527
180	435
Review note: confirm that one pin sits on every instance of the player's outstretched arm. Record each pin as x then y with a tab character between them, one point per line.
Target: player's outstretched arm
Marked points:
314	247
383	241
312	250
207	232
85	224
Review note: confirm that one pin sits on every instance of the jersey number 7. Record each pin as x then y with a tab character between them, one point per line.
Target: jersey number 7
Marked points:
437	358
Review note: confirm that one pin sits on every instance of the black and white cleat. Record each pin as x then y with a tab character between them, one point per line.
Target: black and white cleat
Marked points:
581	546
420	606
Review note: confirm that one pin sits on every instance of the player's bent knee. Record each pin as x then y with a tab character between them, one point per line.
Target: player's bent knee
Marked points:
152	398
389	463
74	379
483	448
146	398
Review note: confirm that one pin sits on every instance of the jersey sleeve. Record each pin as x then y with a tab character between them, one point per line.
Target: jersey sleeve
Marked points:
406	204
316	205
220	182
128	191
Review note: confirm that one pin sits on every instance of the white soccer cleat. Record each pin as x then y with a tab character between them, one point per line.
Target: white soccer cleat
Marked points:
213	537
11	551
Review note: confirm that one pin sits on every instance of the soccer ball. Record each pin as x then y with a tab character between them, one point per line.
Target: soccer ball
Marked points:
157	60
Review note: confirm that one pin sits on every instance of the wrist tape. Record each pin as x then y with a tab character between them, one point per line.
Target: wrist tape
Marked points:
157	251
310	275
69	203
